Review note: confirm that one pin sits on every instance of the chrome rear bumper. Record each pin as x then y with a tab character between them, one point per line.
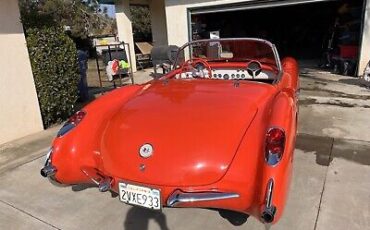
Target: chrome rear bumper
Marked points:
178	198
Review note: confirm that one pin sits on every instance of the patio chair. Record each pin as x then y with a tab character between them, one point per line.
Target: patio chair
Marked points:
144	58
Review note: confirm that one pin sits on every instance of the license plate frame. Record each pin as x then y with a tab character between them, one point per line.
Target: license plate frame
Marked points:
139	195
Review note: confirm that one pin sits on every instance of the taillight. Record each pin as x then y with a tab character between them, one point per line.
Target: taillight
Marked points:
274	146
72	122
77	117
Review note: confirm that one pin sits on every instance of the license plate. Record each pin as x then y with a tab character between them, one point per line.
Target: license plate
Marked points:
140	196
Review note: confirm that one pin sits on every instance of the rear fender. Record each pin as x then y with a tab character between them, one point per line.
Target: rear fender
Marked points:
80	148
290	80
283	115
245	169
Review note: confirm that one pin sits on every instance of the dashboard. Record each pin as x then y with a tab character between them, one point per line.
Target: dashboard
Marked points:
252	71
240	74
228	74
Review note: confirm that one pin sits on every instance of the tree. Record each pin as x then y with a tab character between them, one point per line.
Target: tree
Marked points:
141	24
82	17
53	54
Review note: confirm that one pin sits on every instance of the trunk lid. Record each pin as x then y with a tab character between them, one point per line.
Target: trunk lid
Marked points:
194	127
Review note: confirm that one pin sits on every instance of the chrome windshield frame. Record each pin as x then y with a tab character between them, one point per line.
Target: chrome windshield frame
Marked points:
273	47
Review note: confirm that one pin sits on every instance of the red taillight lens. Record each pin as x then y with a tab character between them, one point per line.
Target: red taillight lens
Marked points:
71	123
77	117
275	144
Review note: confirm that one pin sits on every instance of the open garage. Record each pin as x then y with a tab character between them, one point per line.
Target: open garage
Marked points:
334	34
325	33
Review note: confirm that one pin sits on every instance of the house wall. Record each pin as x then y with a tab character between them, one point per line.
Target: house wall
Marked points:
124	27
365	47
19	108
177	18
158	21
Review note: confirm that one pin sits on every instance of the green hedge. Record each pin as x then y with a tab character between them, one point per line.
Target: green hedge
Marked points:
54	63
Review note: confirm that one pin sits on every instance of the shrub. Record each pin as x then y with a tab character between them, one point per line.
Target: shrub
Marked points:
141	24
54	63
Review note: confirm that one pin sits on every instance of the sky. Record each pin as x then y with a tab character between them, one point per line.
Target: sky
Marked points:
111	10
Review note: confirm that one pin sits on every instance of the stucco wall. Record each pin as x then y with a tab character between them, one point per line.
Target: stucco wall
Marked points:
124	27
158	21
19	108
365	48
177	18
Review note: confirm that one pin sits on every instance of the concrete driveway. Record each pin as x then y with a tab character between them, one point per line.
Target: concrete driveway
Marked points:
330	188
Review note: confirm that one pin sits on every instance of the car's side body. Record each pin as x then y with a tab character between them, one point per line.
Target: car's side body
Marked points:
208	137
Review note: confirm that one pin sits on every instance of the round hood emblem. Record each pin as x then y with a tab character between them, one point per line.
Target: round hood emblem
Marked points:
146	150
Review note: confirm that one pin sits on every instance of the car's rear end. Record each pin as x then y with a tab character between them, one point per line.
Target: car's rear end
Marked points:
175	143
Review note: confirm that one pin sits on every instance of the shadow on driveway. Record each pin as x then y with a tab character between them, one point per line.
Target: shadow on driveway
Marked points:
328	148
138	219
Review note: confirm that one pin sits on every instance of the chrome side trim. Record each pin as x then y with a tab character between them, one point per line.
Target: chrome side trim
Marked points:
269	189
177	198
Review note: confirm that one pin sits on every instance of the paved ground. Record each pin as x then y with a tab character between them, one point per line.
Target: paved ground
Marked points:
330	188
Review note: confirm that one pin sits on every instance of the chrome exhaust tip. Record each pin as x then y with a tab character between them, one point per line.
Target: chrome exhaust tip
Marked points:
268	214
269	211
48	171
105	185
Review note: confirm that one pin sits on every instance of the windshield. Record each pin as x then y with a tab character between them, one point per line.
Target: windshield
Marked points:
230	50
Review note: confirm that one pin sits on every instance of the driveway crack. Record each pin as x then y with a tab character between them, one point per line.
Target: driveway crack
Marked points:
28	214
324	184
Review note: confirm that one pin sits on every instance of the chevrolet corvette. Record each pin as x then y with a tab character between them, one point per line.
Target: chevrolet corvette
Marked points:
218	131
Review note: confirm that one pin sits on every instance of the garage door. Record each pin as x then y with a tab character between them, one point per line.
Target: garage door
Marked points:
250	5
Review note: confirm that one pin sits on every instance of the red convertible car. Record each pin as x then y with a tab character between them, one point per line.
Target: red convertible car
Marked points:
217	132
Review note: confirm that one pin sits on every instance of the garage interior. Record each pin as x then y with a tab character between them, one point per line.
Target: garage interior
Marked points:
326	34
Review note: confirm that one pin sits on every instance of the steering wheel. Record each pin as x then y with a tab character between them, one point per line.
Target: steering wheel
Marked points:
193	62
254	68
